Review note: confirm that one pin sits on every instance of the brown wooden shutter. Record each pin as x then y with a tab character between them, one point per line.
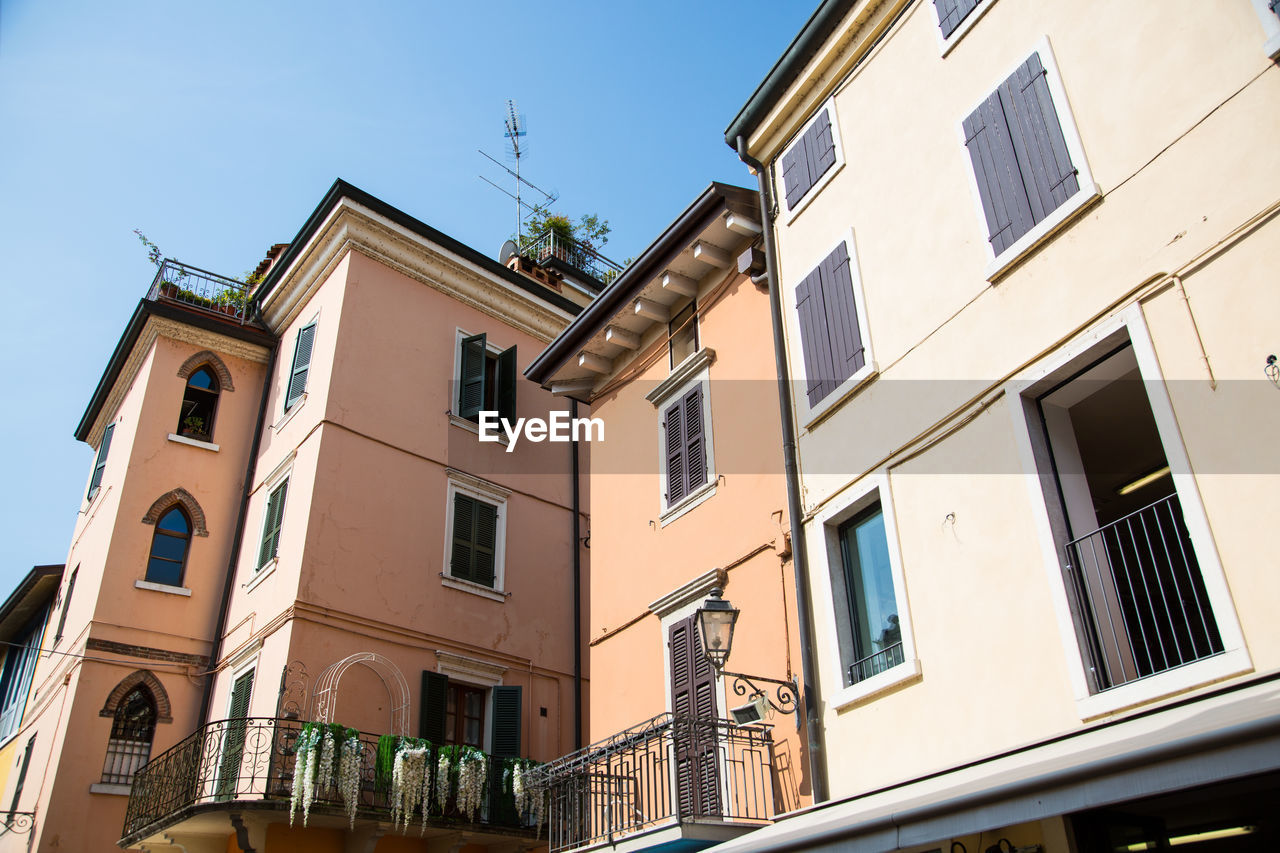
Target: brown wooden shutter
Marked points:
695	443
674	428
1004	198
693	703
1038	142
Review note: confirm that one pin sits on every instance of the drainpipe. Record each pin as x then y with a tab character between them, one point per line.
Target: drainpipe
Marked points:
795	513
250	471
577	586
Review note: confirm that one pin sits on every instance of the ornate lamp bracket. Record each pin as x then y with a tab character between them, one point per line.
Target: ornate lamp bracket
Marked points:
17	821
786	692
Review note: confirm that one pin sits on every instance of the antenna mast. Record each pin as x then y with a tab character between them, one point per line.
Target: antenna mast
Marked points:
515	130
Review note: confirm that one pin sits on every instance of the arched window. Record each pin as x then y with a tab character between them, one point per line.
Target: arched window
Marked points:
199	404
131	734
169	548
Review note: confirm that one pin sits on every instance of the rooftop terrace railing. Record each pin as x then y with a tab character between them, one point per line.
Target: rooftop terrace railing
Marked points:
578	255
192	286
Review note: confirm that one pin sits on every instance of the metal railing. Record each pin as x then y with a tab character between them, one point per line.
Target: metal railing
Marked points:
1137	583
664	771
183	283
253	759
575	254
874	664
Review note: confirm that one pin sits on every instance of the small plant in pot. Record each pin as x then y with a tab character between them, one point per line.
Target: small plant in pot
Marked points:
193	427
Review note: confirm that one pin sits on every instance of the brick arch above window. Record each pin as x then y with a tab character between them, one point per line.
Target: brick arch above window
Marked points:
189	503
216	364
164	712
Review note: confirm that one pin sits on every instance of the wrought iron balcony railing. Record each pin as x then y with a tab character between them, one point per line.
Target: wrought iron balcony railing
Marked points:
578	255
665	771
188	285
252	759
1137	583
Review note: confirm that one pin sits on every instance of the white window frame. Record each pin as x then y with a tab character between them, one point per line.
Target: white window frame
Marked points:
1234	659
282	474
461	483
824	533
947	43
696	369
780	191
1270	27
808	415
455	385
1088	192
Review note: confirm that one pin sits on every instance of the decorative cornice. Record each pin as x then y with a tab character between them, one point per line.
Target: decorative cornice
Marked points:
157	327
353	226
685	371
692	591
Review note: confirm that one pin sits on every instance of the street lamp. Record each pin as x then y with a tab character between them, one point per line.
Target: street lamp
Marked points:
716	621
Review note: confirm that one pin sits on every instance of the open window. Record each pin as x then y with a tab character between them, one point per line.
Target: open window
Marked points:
1131	569
199	404
486	380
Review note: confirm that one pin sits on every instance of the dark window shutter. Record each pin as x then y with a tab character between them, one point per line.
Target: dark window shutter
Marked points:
847	353
485	543
952	12
506	391
22	776
1004	198
301	364
1037	138
814	340
233	741
462	558
100	464
695	456
66	605
821	147
693	684
808	158
675	450
471	384
795	173
435	704
1275	6
505	740
240	694
475	537
271	525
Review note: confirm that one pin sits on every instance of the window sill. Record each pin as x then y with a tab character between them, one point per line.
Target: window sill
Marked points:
260	574
680	376
114	789
289	415
814	190
876	685
1154	687
836	398
1029	242
193	442
473	588
688	502
162	587
952	40
473	427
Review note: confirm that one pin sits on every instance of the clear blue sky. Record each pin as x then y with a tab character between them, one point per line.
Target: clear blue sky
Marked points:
217	127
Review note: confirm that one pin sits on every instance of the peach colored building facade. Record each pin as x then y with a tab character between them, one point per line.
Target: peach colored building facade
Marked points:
675	359
295	520
1025	254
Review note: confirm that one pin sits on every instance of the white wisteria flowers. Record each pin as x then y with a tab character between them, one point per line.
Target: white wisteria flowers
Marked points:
349	775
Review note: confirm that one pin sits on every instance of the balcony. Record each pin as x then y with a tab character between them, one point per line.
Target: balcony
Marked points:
552	247
1138	585
201	290
672	780
244	768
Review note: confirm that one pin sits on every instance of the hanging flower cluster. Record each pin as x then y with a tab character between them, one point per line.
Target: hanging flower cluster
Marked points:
528	791
322	751
443	766
410	782
471	773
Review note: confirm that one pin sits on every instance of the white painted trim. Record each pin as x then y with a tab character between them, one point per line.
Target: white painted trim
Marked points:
113	789
1088	190
261	574
670	513
471	670
945	45
694	590
473	427
807	415
191	442
162	587
1234	659
789	215
289	415
824	540
486	492
695	362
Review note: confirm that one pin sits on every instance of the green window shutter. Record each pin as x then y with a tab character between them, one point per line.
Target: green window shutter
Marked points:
301	364
66	605
462	560
241	691
475	539
471	379
505	740
100	464
506	390
271	525
486	538
435	705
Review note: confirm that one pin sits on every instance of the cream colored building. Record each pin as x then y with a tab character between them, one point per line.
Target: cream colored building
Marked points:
1025	259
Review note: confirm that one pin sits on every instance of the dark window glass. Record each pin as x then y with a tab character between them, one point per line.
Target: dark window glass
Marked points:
199	405
131	734
683	334
873	627
464	715
169	548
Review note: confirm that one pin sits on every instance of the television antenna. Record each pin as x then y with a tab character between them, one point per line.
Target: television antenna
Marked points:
514	131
